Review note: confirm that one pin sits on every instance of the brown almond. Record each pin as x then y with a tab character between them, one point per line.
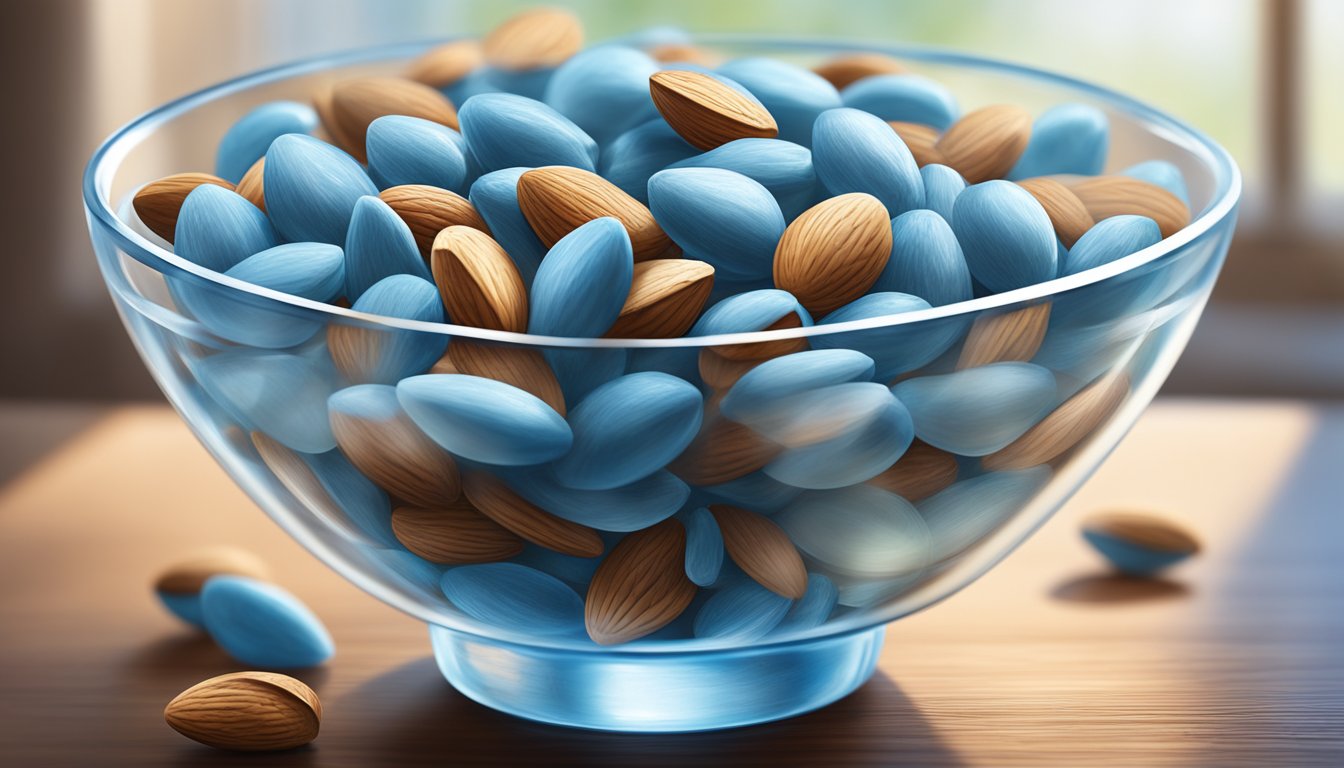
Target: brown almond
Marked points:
247	711
444	65
721	372
706	112
429	210
252	185
666	297
1015	335
921	472
445	364
453	533
522	367
478	281
331	130
398	458
834	251
558	199
1144	529
762	549
1107	196
538	38
188	575
358	351
985	144
922	140
1065	427
1067	213
763	350
724	450
359	101
684	53
158	202
500	503
852	67
641	586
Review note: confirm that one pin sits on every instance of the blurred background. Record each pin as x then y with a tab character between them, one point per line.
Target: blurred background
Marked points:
1264	77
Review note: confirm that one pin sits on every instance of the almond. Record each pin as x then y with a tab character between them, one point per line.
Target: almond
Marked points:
158	202
453	534
444	65
763	350
248	711
558	199
834	251
252	185
357	102
334	134
921	472
1014	335
187	576
641	586
1067	213
852	67
666	297
429	210
1107	196
1145	530
522	367
985	144
398	458
538	38
479	283
445	364
720	372
684	53
500	503
921	139
762	549
706	112
1065	427
724	450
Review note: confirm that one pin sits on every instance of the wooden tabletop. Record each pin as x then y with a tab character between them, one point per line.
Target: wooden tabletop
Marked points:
1236	659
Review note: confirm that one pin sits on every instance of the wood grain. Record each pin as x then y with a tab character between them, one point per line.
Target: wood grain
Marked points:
1047	660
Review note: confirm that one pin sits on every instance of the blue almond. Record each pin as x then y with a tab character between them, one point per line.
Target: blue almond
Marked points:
967	511
1005	235
281	394
977	411
249	138
895	349
604	90
749	311
782	167
926	260
218	228
628	508
903	98
262	625
862	531
942	185
485	420
853	151
636	155
853	457
813	608
720	217
387	356
768	383
514	597
742	612
583	282
378	245
792	95
311	189
495	197
507	131
1068	138
1111	239
411	150
704	547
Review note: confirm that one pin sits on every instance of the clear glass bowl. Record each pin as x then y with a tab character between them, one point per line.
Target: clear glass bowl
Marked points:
262	412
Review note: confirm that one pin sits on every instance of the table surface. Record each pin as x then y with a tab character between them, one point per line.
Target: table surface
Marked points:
1237	658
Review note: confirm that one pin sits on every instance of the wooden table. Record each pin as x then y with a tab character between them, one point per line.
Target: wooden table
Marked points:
1238	658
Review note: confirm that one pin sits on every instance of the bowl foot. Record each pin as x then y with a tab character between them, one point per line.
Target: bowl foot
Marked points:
656	692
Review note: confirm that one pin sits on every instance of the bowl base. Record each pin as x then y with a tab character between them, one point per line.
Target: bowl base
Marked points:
648	692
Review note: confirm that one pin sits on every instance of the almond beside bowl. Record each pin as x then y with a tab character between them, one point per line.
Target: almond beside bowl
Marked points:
745	576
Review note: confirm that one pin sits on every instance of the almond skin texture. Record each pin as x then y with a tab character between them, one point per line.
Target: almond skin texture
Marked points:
1107	196
331	130
723	451
453	534
534	39
558	199
524	368
641	586
247	711
922	141
986	143
398	458
1147	530
707	113
850	68
666	297
252	185
1064	428
834	251
762	549
498	502
187	576
758	351
722	372
921	472
429	210
158	202
357	102
1015	335
1067	213
445	64
478	281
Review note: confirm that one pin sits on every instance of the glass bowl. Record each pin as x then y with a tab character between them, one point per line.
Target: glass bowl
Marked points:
1091	351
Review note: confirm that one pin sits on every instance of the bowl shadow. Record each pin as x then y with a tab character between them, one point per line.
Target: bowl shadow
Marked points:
1115	588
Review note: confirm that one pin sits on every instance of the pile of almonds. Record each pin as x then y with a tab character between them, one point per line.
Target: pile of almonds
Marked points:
521	184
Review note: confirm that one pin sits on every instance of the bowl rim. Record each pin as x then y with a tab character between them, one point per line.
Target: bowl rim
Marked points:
107	158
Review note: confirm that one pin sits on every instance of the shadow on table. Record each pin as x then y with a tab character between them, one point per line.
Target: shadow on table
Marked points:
193	656
420	715
1112	587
